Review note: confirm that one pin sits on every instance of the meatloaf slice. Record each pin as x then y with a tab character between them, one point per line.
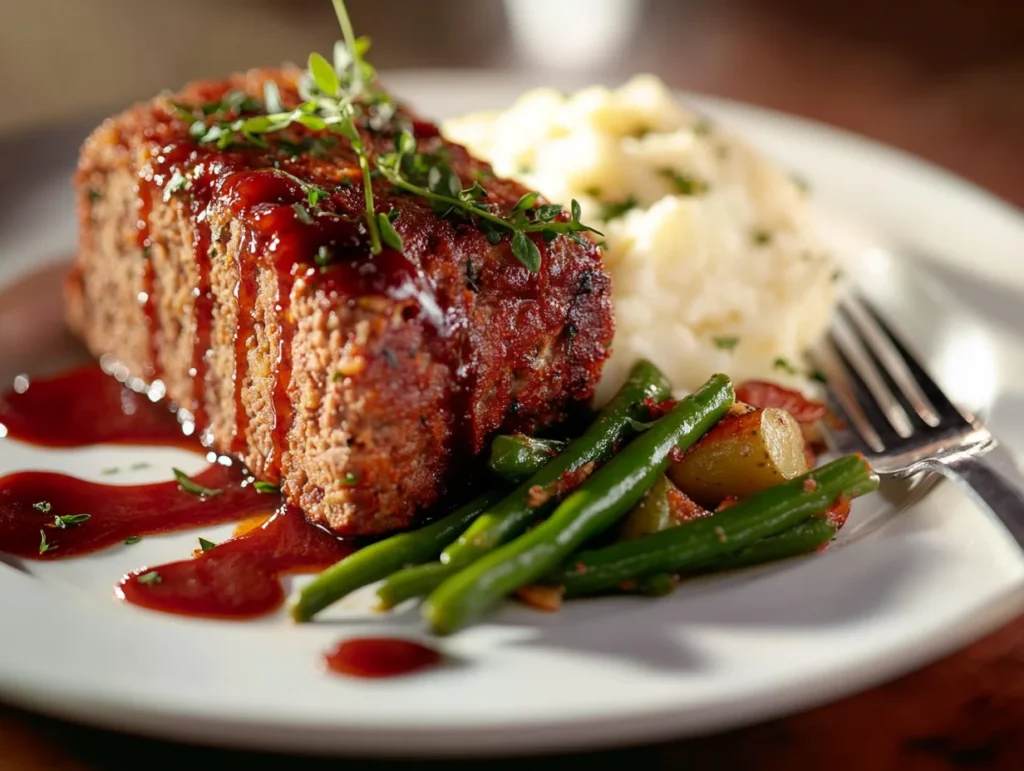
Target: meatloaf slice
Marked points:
239	283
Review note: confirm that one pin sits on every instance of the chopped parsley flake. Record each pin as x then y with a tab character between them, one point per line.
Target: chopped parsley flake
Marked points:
703	127
315	194
685	184
266	487
761	237
44	546
301	214
132	539
349	479
206	545
152	577
726	343
801	183
784	365
43	506
177	182
70	520
610	211
186	485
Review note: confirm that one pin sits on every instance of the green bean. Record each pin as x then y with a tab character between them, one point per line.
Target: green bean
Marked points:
406	584
382	558
513	514
799	539
657	585
596	505
700	543
516	456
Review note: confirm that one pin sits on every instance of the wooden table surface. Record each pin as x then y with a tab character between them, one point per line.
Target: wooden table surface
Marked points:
928	77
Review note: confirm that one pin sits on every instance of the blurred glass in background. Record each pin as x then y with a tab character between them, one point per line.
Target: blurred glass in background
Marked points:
942	78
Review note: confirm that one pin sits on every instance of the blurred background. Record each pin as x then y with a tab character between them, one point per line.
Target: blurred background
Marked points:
942	78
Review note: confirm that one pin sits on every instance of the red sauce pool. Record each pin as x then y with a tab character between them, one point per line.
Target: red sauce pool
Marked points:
380	657
86	406
239	578
31	500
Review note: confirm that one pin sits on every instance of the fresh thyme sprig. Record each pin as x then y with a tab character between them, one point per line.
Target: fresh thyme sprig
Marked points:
335	98
431	177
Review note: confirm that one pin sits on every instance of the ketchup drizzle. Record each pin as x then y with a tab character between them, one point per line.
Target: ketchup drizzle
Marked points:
283	408
148	297
30	501
244	334
202	304
86	406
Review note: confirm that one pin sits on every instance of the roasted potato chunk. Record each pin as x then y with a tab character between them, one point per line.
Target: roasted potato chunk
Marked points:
740	456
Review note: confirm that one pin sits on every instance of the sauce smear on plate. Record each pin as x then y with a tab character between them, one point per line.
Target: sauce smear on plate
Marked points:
380	657
87	406
239	578
32	503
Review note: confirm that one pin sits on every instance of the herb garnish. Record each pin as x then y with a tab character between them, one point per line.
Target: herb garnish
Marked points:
430	176
726	343
337	98
349	479
70	520
43	506
178	181
685	184
186	485
206	545
314	194
761	237
152	577
266	487
818	375
784	365
132	539
610	211
301	214
44	546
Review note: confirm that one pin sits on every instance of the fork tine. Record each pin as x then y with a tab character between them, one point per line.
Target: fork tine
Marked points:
840	387
864	367
880	340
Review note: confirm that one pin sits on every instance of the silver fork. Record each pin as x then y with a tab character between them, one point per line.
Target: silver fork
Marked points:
894	413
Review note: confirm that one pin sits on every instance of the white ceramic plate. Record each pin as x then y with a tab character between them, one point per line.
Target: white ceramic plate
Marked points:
907	581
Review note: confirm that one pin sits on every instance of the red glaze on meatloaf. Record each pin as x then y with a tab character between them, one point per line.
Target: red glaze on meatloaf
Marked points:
365	388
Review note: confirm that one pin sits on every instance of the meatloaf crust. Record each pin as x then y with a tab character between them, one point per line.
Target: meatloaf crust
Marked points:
363	384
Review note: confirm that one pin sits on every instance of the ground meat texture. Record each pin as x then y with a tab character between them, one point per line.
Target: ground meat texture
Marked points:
366	388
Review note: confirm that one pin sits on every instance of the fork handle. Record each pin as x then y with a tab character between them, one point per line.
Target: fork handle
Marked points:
992	487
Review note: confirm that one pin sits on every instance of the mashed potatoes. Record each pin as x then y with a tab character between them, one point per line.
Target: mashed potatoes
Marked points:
714	264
